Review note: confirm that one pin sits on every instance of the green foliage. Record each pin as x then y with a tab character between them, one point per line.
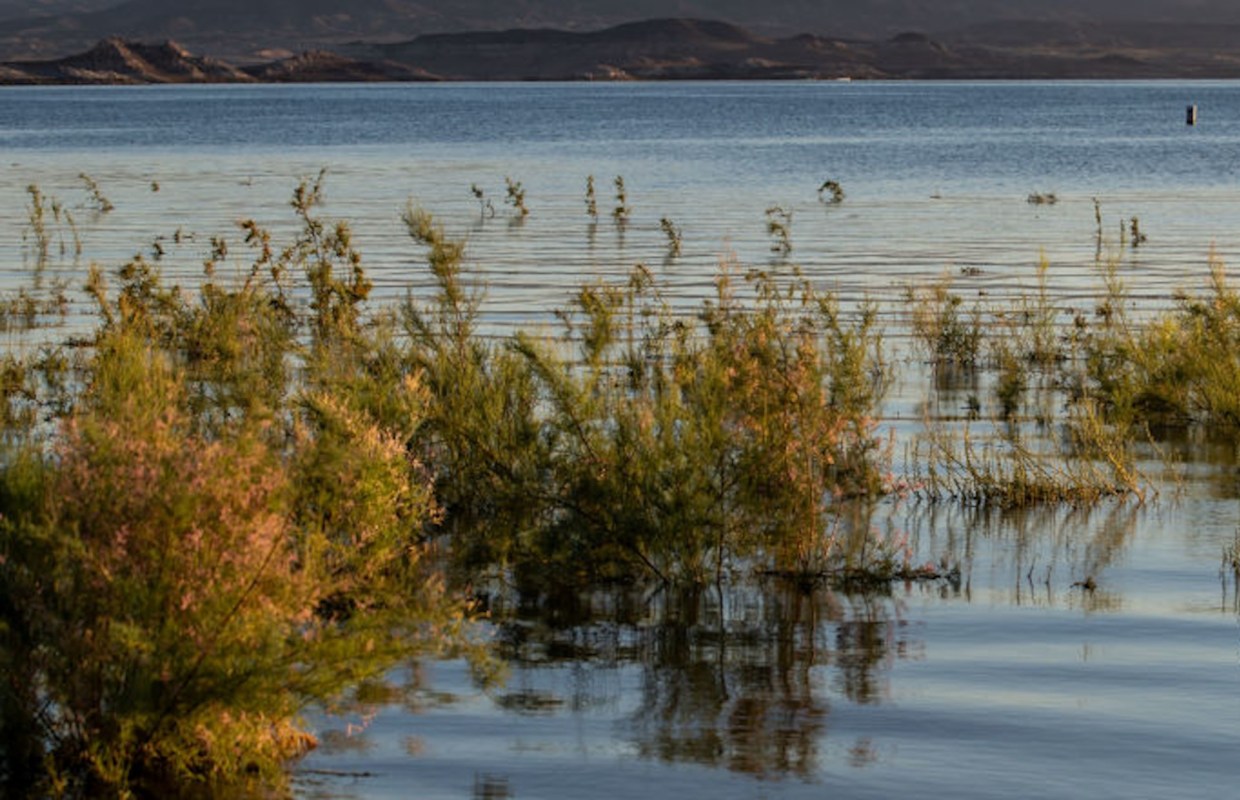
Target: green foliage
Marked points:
481	438
638	442
171	600
947	332
1078	459
198	545
1027	339
683	449
1177	368
1007	469
226	505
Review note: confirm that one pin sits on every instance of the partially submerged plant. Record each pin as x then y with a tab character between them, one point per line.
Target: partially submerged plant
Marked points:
1177	368
36	215
283	441
486	209
47	220
620	213
830	193
1231	558
779	228
947	332
674	236
684	454
516	196
197	546
100	203
1007	470
1026	339
591	198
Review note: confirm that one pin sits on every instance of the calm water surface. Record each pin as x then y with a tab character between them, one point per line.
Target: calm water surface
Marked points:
1014	682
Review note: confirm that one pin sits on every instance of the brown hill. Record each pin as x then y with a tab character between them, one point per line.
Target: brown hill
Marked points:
114	61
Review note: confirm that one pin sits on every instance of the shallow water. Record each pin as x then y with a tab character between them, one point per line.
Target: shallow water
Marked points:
1014	682
936	175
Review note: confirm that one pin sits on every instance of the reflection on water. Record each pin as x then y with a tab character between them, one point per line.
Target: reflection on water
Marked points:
1024	548
740	677
795	685
491	787
743	683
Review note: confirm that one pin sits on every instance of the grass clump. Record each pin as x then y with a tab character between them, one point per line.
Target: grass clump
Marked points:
1010	469
948	333
1177	368
1028	344
1079	458
684	448
47	222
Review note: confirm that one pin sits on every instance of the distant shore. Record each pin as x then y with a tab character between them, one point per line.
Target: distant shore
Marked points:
667	49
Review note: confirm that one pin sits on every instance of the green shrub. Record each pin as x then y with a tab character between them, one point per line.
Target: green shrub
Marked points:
685	448
1175	368
197	546
948	333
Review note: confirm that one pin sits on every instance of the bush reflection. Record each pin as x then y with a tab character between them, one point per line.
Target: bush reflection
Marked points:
741	677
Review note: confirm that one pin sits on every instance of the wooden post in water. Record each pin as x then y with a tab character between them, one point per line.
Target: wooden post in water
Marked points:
1191	118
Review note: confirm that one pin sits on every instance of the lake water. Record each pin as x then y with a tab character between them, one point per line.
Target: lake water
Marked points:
1014	683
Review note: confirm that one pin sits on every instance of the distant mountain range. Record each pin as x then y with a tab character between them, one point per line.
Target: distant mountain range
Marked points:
657	49
250	31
